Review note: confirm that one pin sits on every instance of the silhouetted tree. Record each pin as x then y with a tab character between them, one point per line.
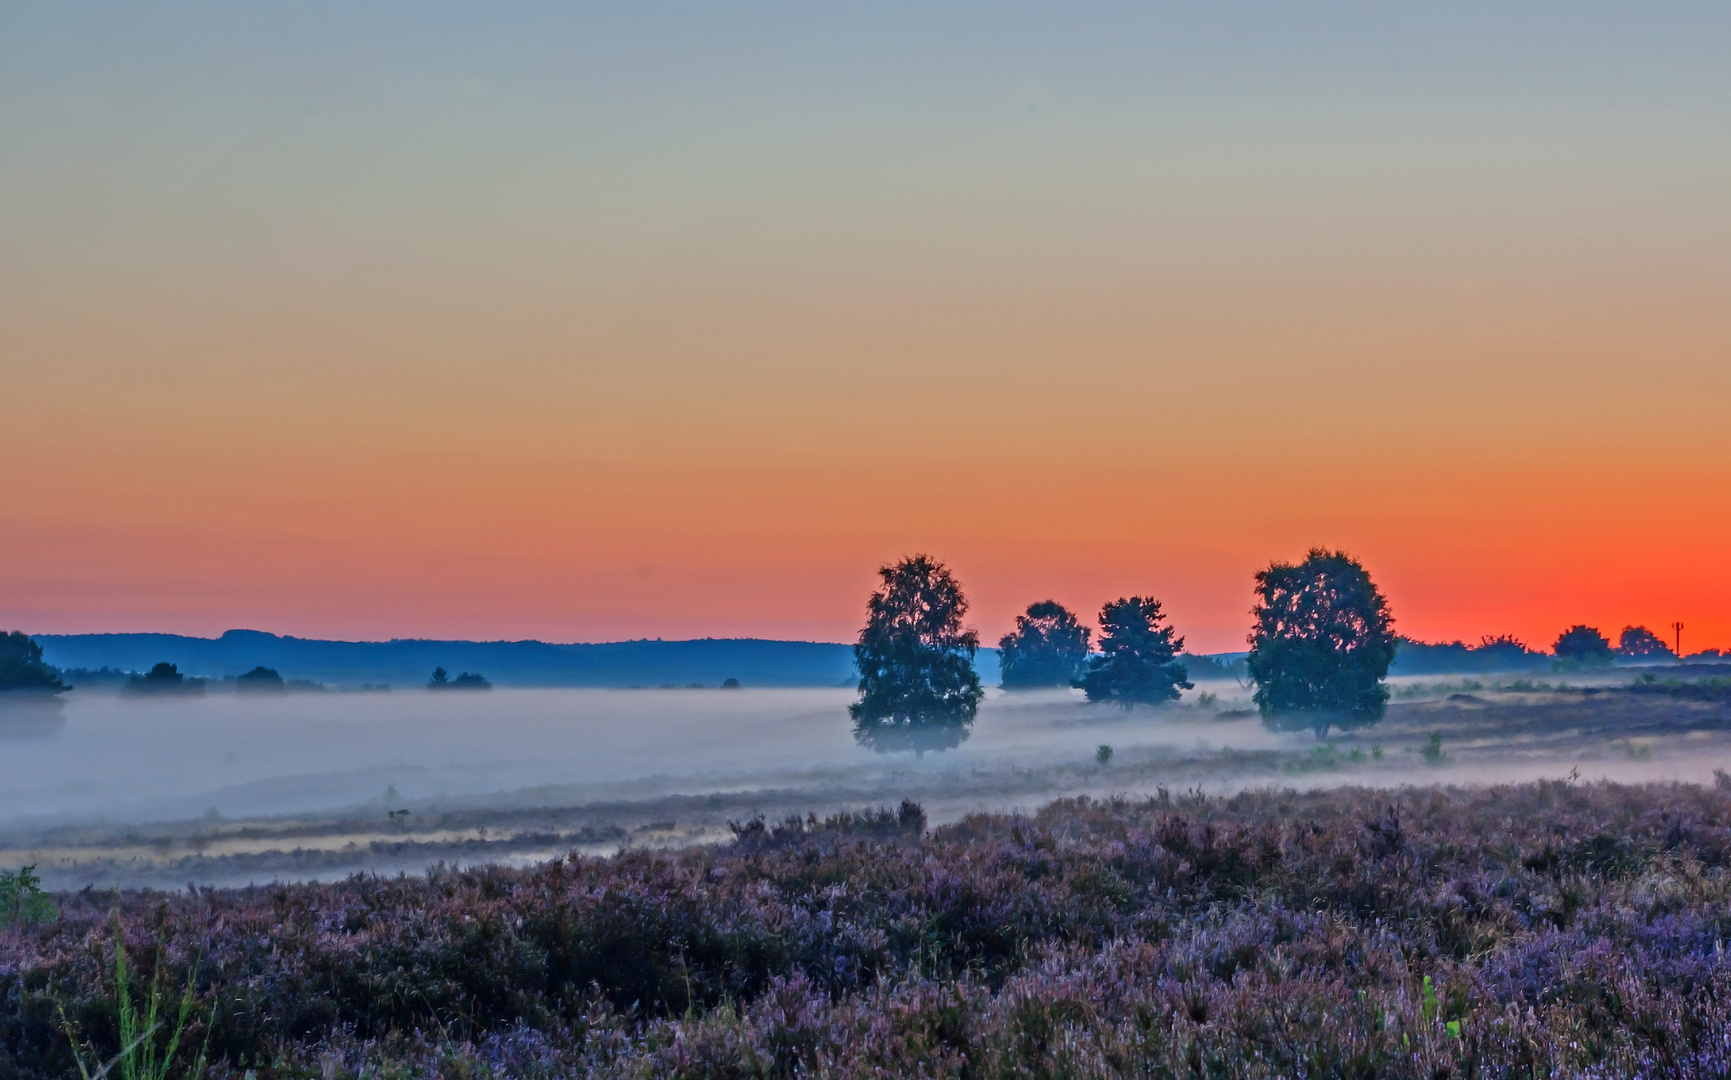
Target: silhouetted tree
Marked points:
1322	644
1640	643
1048	647
1138	660
164	678
918	689
21	666
1504	649
1583	644
468	680
260	680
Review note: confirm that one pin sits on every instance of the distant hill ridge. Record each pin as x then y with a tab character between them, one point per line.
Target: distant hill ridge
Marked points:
406	662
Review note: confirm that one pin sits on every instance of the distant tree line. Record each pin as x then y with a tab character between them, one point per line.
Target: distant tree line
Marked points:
163	678
468	680
1321	647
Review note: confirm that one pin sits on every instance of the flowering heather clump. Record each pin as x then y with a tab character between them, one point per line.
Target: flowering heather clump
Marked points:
1545	929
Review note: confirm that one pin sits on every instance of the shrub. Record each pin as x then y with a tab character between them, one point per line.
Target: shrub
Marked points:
22	900
1582	645
1433	749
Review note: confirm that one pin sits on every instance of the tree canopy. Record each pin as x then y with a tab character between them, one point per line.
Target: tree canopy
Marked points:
918	689
21	666
1640	643
1048	647
260	679
1583	644
1138	661
468	680
164	678
1322	644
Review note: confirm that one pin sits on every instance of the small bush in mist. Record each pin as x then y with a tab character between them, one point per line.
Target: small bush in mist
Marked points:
163	678
22	900
1103	754
260	680
1637	643
1432	751
1138	659
918	689
1582	644
1322	644
468	680
1048	647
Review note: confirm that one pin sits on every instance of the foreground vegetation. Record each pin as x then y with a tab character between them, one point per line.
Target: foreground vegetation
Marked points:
1545	929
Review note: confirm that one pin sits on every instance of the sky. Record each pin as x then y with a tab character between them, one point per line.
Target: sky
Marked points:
588	322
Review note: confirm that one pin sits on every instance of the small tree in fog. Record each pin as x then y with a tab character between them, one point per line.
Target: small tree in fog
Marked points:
1138	661
21	665
1048	647
1583	644
1640	643
261	680
917	686
1322	644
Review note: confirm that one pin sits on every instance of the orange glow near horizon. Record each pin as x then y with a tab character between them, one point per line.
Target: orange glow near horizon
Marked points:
586	332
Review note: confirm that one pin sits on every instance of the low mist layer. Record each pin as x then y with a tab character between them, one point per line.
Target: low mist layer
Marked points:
226	789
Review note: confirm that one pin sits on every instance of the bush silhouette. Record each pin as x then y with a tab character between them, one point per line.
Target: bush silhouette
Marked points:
163	678
1583	644
468	680
1640	643
260	680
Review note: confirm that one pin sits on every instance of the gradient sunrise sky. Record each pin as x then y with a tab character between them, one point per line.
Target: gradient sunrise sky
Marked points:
589	322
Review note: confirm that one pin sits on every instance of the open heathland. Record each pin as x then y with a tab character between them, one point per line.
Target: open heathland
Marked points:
1541	929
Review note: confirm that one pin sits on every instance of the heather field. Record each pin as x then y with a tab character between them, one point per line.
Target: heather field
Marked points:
1552	928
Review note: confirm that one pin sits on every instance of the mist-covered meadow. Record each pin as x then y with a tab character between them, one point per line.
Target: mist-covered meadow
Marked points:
227	789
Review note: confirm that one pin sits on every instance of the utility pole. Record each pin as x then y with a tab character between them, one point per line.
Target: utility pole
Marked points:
1677	628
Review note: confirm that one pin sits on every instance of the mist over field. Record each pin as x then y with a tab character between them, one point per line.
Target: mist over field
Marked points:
230	789
108	758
